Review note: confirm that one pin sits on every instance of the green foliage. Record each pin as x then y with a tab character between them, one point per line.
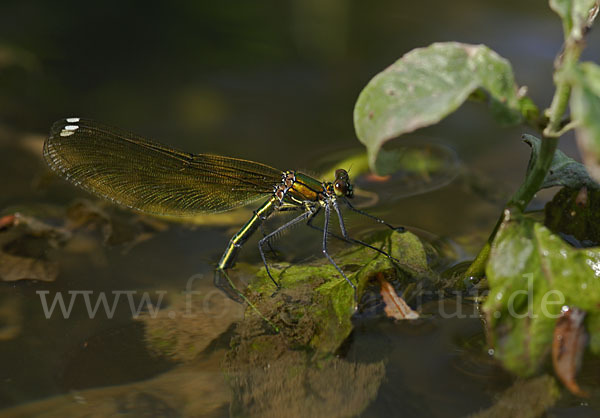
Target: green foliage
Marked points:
585	105
426	85
564	171
316	304
575	15
532	274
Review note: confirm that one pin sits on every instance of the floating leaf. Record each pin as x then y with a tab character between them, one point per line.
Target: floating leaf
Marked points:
407	170
426	85
564	171
567	348
532	274
116	227
585	105
25	245
278	373
13	268
318	303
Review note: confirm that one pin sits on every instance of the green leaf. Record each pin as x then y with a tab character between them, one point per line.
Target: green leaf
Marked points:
427	161
413	168
426	85
315	301
585	105
576	15
532	274
564	171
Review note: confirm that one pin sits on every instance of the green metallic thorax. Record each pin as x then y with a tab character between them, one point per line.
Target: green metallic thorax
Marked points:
305	188
295	189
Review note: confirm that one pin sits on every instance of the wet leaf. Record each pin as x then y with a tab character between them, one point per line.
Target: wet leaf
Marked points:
425	162
428	84
575	212
577	16
316	304
116	228
13	268
585	105
564	171
274	374
39	228
395	306
28	244
532	274
410	170
25	249
567	348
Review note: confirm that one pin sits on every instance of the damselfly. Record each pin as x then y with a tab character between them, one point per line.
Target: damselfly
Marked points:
153	178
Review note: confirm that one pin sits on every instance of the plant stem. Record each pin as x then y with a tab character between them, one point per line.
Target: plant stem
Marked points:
537	172
518	201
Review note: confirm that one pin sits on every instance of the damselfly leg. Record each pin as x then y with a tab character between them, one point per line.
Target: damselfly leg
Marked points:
223	282
375	218
347	238
309	216
326	253
310	212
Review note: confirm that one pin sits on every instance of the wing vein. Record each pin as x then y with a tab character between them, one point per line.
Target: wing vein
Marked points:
151	177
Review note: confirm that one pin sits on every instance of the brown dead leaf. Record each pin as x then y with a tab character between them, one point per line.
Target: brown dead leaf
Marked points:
84	213
24	245
567	348
38	228
13	268
7	221
115	228
395	306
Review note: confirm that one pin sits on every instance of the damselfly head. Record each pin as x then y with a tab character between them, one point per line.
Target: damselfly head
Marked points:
342	184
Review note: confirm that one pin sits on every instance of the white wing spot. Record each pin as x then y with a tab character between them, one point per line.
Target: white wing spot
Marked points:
64	133
72	120
71	127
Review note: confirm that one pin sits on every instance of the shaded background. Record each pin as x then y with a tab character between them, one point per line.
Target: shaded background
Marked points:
277	79
272	81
